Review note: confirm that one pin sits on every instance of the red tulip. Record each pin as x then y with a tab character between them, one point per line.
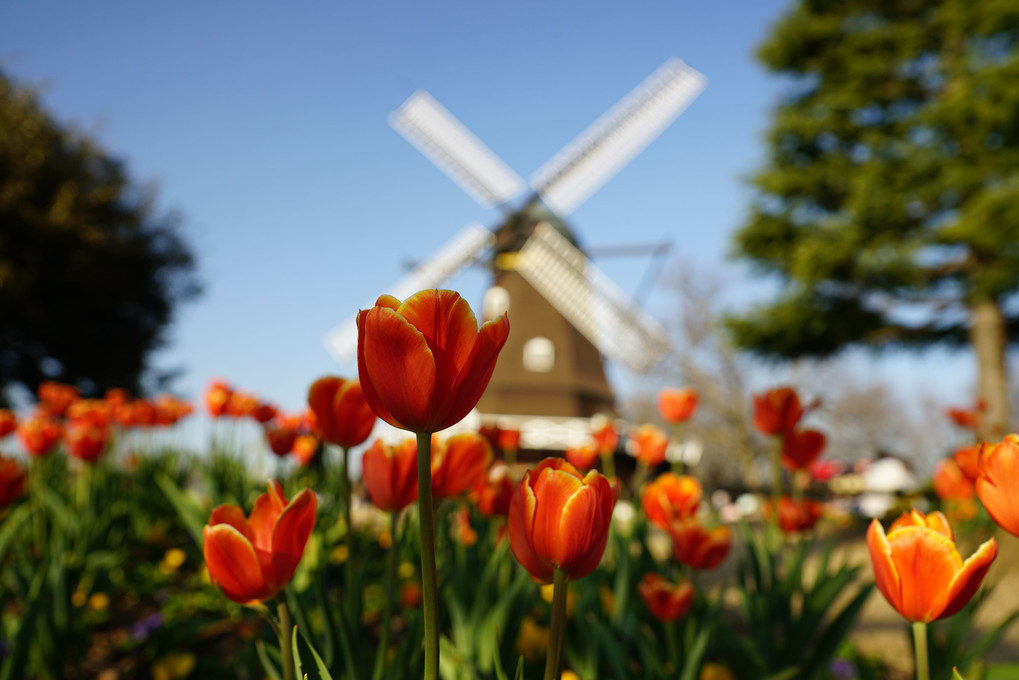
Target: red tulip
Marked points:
582	457
950	484
12	481
263	412
85	441
459	464
39	435
918	568
493	494
649	444
341	413
509	440
800	448
424	363
777	411
795	516
671	497
462	532
998	483
559	519
252	559
677	405
241	404
391	475
8	422
698	547
281	439
667	601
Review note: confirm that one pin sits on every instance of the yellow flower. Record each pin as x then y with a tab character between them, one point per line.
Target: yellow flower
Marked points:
339	554
716	671
406	570
532	640
173	666
99	601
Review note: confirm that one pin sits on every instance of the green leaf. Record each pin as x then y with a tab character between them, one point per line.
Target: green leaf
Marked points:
264	652
191	515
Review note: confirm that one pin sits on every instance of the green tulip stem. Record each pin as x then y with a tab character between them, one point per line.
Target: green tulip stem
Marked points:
608	464
387	610
284	631
920	648
426	525
348	537
679	466
557	634
776	489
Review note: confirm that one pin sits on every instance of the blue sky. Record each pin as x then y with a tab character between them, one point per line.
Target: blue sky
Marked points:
264	125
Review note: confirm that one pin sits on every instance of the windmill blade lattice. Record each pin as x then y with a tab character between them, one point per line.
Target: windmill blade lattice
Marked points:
445	141
600	151
589	300
462	250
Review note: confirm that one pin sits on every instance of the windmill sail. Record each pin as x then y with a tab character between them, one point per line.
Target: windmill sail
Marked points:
600	151
591	301
460	251
450	145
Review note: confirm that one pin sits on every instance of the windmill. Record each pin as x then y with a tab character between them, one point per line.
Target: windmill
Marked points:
565	314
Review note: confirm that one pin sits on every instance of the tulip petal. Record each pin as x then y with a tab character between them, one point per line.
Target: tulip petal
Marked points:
233	564
554	488
968	579
400	368
353	418
578	530
999	468
233	516
927	563
267	510
449	326
472	381
520	521
370	393
320	401
291	533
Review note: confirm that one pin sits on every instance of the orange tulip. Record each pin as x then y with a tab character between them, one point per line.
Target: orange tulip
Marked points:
217	397
424	363
918	568
968	418
342	415
39	435
950	484
95	411
8	422
582	457
677	405
777	411
559	519
800	448
998	483
410	596
12	481
115	396
251	559
648	444
459	464
509	440
968	460
605	436
305	448
462	532
281	439
390	474
795	516
241	404
667	601
698	547
85	441
493	494
671	497
55	398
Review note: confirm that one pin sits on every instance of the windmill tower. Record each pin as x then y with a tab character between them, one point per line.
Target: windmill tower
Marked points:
564	313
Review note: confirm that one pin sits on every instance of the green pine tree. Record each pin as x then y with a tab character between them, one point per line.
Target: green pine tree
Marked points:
889	206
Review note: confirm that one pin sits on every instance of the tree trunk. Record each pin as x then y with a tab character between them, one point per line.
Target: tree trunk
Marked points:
987	336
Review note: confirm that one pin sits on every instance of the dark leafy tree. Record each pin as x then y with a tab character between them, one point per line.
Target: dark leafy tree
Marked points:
90	272
889	205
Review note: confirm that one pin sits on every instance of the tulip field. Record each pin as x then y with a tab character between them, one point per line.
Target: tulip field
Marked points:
124	553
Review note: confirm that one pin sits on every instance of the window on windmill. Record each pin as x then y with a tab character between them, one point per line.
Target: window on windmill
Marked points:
539	355
496	302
